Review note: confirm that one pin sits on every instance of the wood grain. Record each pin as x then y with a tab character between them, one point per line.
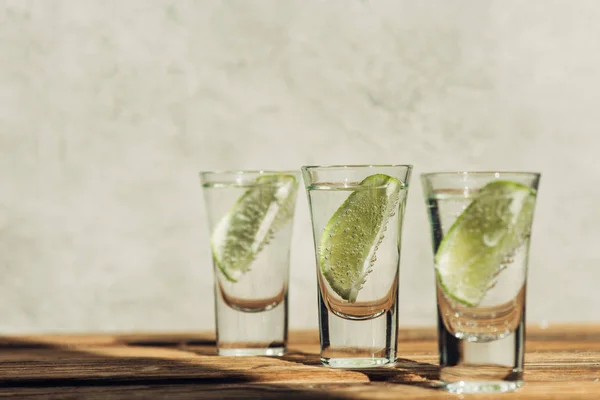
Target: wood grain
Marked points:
561	362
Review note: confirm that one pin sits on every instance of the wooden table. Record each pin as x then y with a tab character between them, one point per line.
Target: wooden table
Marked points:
562	362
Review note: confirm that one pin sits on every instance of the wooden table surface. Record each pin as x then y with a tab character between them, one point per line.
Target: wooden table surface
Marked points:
562	362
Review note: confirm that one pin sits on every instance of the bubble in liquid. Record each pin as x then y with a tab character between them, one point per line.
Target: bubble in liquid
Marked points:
502	214
492	239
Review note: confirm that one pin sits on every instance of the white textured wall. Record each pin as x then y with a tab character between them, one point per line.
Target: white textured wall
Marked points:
108	109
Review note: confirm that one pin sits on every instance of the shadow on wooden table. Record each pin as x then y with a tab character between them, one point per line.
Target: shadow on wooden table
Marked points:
40	363
407	372
174	391
165	341
150	367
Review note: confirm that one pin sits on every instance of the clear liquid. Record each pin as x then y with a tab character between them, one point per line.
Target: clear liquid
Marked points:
499	313
363	333
482	343
378	292
265	284
252	312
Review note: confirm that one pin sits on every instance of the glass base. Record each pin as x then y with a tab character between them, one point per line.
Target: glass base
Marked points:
357	362
269	351
464	387
358	344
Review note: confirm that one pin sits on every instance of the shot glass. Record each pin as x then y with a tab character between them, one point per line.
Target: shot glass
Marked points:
250	215
357	214
481	229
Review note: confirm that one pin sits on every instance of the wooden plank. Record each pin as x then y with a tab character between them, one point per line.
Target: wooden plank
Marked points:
561	362
556	332
86	364
376	390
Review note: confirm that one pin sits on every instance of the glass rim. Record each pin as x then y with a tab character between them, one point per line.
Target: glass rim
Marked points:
341	166
479	173
248	172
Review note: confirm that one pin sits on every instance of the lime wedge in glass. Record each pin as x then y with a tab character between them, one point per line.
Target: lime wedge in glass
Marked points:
252	221
493	226
354	232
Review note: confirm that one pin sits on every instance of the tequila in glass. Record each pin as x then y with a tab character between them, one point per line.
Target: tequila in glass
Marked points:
481	229
250	217
357	214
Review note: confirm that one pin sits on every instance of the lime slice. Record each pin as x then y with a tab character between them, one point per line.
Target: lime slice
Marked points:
354	232
252	221
493	226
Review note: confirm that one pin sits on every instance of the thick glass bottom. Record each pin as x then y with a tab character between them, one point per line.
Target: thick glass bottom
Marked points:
493	366
358	343
357	362
242	333
470	387
266	351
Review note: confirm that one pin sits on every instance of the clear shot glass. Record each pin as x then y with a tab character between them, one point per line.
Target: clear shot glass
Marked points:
250	216
357	214
481	229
